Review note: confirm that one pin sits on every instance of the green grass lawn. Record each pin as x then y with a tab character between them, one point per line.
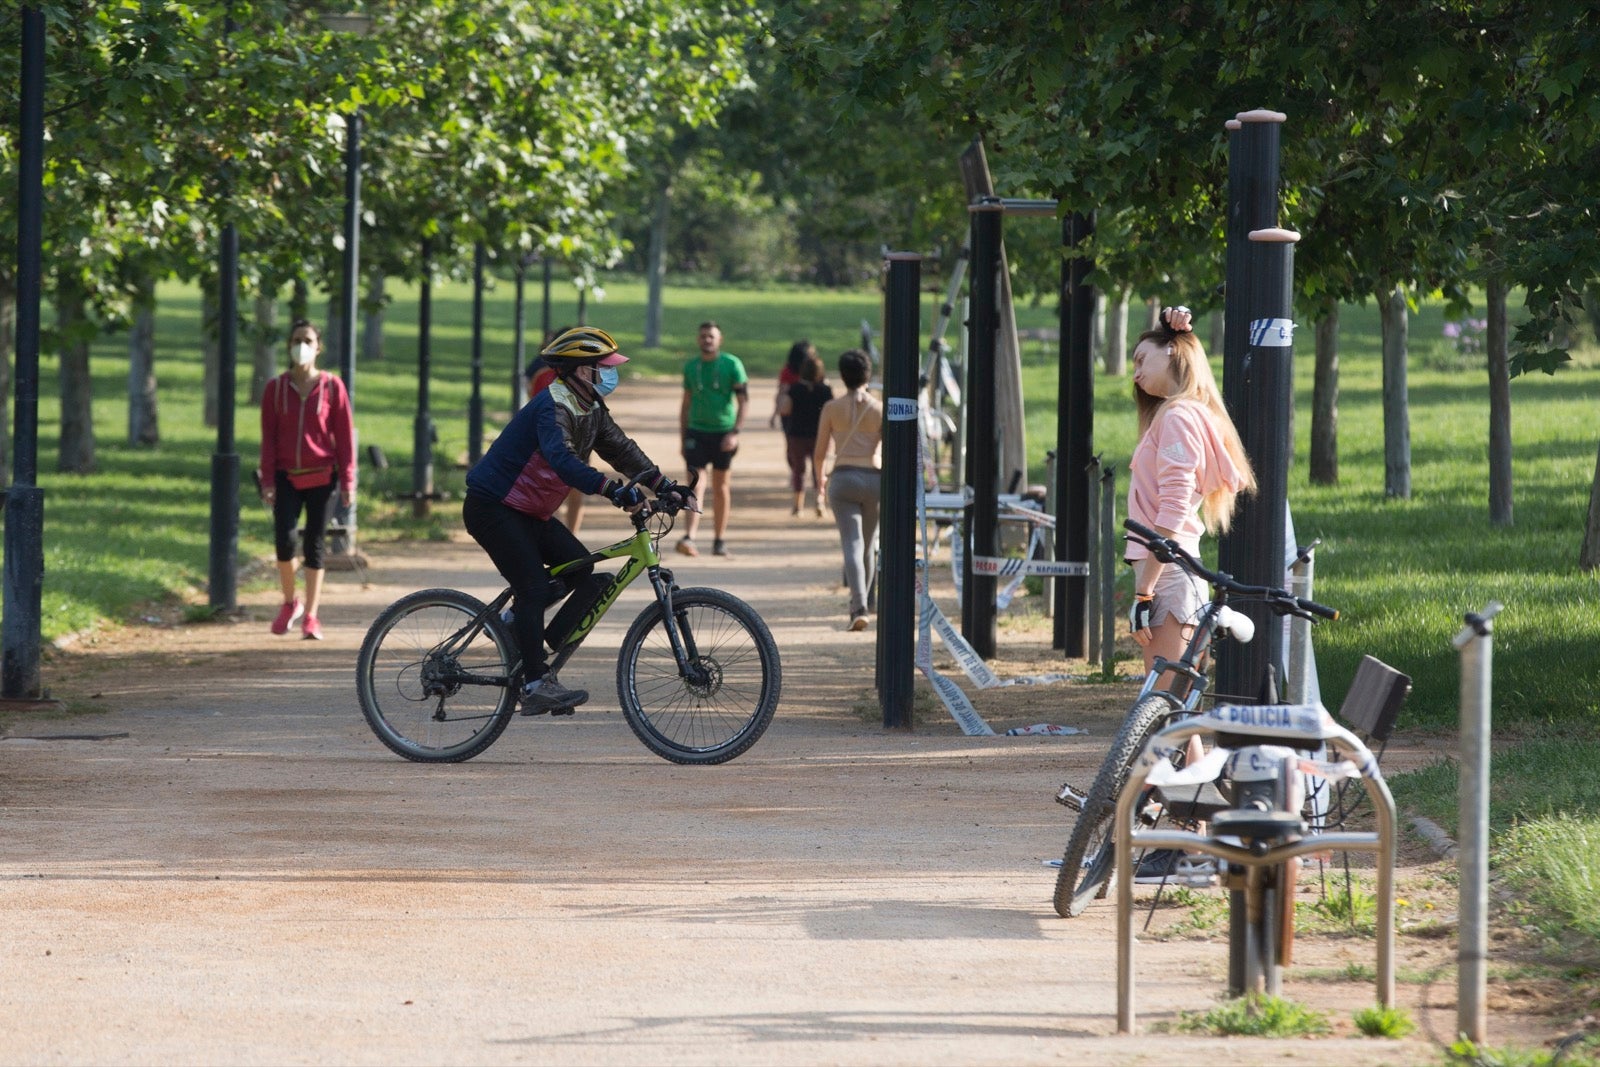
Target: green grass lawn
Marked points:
1402	572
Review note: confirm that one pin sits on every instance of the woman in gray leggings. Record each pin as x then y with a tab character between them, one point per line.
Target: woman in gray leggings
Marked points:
852	426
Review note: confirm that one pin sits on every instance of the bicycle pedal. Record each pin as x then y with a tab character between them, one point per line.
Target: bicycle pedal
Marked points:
1071	798
563	711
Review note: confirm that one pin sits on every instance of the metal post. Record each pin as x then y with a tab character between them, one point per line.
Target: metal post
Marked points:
1297	681
422	429
225	461
1108	572
1075	429
1092	514
519	350
1253	151
24	500
1475	643
897	597
982	513
475	404
344	518
544	322
1260	530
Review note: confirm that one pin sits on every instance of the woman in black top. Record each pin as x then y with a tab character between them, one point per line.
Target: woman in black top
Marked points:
801	407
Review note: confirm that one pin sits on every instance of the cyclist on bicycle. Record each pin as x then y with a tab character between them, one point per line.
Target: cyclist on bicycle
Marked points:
514	492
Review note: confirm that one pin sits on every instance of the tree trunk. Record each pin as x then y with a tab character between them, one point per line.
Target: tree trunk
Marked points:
1153	306
1325	401
1396	412
8	337
1117	335
655	266
1499	406
1097	328
299	301
76	452
144	423
263	344
210	352
1589	551
372	312
1219	325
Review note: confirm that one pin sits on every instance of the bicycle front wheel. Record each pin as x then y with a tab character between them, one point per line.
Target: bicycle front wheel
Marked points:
428	693
1091	850
722	699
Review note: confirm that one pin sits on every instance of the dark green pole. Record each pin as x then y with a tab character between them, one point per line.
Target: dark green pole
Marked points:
897	508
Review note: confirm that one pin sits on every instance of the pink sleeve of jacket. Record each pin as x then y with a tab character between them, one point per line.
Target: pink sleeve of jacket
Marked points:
1180	449
269	433
342	424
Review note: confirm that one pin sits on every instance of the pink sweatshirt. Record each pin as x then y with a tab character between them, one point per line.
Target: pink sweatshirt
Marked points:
1180	458
300	434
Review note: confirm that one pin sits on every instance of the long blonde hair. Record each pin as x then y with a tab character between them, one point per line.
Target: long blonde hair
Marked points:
1192	380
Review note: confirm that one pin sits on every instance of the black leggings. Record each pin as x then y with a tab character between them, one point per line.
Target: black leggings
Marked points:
521	547
286	505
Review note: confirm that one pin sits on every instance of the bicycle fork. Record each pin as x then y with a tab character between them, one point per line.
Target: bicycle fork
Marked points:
679	635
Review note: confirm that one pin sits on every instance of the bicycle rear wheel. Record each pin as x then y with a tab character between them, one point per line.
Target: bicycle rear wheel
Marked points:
723	702
429	695
1090	858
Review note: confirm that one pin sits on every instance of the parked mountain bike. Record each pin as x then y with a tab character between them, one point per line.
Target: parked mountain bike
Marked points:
698	674
1171	690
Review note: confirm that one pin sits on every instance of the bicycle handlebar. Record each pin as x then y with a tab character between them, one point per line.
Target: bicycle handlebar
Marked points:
1280	601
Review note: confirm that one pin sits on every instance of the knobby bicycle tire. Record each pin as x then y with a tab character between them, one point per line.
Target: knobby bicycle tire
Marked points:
419	701
1090	858
727	703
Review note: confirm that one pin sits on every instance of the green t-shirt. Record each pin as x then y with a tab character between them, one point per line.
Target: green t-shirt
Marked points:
712	384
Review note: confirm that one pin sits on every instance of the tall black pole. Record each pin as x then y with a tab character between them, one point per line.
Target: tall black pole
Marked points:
422	429
519	343
1269	390
897	598
225	461
475	403
345	517
24	536
1074	433
544	321
352	252
1254	138
983	444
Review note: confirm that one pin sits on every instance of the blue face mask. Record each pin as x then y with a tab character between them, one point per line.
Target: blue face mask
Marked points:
606	379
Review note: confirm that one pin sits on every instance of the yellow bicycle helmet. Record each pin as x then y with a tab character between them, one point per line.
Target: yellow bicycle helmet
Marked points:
583	344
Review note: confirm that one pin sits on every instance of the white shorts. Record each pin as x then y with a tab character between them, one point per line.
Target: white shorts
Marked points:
1178	594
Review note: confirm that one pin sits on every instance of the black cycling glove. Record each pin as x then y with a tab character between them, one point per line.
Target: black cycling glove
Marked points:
1139	614
621	494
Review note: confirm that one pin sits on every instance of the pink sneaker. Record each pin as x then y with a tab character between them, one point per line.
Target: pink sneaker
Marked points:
311	628
287	616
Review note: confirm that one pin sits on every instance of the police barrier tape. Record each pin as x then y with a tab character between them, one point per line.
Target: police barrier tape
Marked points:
931	618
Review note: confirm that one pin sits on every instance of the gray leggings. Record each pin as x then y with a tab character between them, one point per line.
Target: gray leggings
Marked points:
853	495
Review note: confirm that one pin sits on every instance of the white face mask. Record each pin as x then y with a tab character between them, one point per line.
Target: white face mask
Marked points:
304	353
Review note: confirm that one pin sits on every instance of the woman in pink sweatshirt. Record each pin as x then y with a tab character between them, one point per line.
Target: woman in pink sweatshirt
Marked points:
307	451
1186	471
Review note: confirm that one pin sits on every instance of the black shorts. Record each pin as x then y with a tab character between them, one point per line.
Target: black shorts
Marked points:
703	448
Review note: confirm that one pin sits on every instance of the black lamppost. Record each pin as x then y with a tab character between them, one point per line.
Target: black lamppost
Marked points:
224	578
24	500
343	534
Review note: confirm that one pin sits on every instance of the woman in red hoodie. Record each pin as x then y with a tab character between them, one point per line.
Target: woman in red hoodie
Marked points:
307	448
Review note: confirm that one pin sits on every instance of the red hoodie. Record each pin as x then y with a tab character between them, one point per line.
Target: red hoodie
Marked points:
304	435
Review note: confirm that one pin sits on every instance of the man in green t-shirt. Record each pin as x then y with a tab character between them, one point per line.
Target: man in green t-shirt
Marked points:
714	398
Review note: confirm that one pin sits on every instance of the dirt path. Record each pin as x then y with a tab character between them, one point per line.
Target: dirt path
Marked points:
238	872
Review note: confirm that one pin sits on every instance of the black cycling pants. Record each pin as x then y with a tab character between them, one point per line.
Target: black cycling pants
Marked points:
521	547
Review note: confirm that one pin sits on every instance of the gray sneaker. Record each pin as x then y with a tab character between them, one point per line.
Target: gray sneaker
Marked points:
549	695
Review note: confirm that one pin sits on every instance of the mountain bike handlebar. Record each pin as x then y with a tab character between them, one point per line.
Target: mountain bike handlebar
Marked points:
1280	601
